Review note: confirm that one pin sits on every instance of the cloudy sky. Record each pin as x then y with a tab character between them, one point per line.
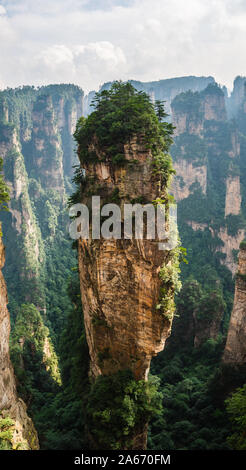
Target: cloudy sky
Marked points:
88	42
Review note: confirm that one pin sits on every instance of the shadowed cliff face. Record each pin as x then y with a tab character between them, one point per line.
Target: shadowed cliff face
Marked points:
235	349
24	434
120	282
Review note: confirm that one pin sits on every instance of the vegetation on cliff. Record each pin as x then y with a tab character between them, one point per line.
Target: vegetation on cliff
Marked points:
117	406
121	113
4	193
236	409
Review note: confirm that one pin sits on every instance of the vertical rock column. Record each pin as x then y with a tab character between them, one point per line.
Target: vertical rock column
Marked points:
235	350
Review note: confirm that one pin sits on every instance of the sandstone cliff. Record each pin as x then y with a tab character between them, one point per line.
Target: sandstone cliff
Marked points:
233	196
24	435
120	282
235	349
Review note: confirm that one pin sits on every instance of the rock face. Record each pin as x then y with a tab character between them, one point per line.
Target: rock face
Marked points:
187	175
209	326
208	155
120	290
233	196
237	95
24	434
120	281
235	349
231	244
46	146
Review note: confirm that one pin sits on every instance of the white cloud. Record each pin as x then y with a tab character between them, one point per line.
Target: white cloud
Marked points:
89	42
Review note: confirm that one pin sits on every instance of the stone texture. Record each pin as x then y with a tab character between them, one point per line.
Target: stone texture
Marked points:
186	175
235	349
233	196
231	242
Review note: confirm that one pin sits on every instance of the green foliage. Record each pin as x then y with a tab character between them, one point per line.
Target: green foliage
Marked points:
188	102
210	305
6	433
236	409
190	420
242	245
241	276
234	223
30	343
121	113
4	192
118	405
171	284
191	148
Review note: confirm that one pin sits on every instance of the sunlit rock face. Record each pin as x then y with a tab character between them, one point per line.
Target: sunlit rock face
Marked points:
120	281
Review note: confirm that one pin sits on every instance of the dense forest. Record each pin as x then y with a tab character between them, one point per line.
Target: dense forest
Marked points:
193	400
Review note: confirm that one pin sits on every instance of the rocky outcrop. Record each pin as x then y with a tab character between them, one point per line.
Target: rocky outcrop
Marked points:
186	175
47	157
120	281
120	278
208	325
24	435
213	104
237	96
235	349
233	196
68	107
231	244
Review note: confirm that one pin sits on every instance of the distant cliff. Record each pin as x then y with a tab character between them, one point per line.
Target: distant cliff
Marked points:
208	157
164	90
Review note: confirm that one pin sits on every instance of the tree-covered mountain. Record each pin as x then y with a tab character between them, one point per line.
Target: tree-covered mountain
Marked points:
163	90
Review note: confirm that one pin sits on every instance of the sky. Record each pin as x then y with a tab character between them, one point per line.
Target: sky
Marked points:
89	42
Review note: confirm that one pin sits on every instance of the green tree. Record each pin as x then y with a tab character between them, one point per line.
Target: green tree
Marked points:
236	408
4	192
